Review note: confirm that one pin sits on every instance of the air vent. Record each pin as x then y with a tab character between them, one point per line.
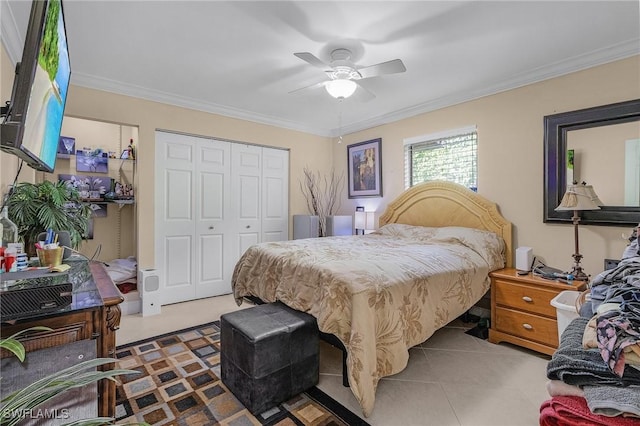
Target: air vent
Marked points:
30	302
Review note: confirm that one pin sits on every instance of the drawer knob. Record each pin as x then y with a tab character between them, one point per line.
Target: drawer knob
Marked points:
527	326
527	299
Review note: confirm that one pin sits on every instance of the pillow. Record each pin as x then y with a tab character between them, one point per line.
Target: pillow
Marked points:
487	244
401	230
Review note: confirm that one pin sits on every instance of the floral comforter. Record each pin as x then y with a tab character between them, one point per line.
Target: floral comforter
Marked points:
380	293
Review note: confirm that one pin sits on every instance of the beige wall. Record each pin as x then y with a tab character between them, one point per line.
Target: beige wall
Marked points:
510	156
305	150
510	151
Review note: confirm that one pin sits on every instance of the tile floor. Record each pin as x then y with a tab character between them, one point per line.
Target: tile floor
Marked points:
451	379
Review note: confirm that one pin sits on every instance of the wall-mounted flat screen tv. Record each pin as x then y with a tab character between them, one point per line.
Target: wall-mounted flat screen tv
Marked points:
32	123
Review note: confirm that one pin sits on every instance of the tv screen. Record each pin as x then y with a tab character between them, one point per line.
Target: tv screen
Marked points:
31	127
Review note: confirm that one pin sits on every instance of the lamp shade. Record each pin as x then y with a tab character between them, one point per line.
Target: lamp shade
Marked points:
371	221
341	88
360	220
579	197
593	195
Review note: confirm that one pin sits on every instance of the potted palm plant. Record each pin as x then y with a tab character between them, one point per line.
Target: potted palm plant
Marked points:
17	405
36	207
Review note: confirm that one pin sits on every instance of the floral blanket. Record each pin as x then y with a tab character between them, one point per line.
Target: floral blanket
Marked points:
379	293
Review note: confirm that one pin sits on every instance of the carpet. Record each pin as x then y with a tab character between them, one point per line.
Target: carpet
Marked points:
179	384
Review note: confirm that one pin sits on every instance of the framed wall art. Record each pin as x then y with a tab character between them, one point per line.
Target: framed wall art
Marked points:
66	147
365	169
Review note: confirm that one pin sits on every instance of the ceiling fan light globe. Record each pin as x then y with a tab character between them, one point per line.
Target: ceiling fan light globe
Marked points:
341	89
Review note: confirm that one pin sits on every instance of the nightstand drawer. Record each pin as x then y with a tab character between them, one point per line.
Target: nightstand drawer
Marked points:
527	326
524	297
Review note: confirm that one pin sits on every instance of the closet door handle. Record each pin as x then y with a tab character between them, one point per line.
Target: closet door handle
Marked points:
212	227
527	299
248	226
527	326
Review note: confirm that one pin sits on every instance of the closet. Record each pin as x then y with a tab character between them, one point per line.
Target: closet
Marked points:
213	199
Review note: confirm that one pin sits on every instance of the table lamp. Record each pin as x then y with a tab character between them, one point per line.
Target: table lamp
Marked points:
360	220
578	197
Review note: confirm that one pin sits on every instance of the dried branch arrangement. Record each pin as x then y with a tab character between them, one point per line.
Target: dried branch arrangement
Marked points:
321	195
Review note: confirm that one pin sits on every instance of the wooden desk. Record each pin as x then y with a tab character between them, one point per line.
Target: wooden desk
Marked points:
94	314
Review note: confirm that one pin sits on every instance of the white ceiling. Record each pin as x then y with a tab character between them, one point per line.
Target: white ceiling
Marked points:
235	58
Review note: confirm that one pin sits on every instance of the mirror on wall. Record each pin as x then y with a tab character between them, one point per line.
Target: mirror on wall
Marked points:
599	146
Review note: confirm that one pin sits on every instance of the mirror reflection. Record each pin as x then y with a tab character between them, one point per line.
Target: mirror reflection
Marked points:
608	158
606	155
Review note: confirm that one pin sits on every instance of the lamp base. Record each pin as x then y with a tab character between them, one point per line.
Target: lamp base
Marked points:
578	274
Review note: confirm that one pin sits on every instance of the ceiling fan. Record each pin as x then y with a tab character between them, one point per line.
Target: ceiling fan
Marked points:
344	74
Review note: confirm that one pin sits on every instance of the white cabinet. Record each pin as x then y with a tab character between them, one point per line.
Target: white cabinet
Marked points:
305	226
214	199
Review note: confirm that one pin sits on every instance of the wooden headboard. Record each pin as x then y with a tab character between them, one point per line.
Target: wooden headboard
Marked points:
441	203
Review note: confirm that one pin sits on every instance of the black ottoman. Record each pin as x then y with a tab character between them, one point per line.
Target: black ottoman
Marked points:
268	354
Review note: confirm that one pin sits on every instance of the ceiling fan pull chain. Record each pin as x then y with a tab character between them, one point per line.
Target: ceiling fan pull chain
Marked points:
340	121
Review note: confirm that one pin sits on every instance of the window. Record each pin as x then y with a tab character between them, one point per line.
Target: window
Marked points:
450	156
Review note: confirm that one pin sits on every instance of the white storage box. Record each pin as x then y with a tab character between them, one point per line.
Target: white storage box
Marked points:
566	311
132	303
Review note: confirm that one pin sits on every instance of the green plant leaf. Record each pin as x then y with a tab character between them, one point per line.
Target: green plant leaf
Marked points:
36	207
14	346
48	387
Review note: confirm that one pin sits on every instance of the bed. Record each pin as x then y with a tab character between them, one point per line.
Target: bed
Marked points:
382	293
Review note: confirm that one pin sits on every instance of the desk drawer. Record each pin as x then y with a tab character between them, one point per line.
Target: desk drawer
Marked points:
527	326
524	297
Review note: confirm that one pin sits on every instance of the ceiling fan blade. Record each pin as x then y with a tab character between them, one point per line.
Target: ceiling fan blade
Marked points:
312	59
390	67
310	87
363	94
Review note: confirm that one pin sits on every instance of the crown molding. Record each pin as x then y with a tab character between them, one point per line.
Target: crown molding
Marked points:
112	86
14	45
603	56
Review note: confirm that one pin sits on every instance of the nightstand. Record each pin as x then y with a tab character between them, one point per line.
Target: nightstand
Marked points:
521	310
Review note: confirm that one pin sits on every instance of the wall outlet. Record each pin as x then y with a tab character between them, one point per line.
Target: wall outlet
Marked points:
610	264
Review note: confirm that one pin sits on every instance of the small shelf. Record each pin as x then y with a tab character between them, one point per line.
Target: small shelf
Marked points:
121	201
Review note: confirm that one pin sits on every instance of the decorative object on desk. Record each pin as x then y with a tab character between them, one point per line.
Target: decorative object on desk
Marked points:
63	239
22	261
37	207
18	405
8	229
321	196
96	161
66	147
578	197
364	163
50	257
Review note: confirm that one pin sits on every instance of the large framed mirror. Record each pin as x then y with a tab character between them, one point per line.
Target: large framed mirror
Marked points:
599	146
